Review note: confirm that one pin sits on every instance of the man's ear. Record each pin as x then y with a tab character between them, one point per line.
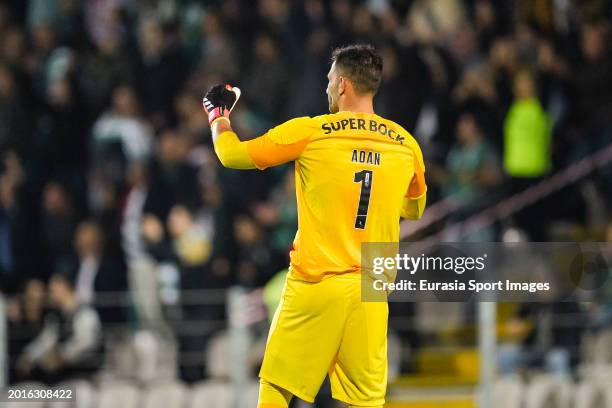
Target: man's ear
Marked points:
342	86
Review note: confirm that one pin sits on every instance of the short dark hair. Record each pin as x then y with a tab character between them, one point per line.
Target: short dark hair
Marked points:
361	64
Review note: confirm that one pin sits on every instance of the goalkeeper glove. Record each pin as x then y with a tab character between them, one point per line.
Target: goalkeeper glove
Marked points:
219	101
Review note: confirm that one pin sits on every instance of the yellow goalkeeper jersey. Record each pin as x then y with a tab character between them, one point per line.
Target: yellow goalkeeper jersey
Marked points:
356	175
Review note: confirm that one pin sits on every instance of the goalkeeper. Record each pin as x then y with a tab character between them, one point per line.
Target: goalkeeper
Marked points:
356	174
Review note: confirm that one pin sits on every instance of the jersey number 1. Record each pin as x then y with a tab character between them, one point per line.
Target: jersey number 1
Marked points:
365	178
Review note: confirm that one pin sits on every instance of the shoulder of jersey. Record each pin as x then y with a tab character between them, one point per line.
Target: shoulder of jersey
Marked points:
410	140
294	130
320	119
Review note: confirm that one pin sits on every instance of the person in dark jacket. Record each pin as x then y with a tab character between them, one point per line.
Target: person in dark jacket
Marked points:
69	345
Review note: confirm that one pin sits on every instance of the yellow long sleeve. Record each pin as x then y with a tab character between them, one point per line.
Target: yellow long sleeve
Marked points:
232	152
413	207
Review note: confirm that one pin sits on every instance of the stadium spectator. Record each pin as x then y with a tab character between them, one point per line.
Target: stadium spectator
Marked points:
95	271
13	115
404	88
69	345
102	69
59	221
527	152
267	79
173	179
25	318
473	167
132	215
253	256
594	80
121	135
312	76
159	71
192	240
59	140
541	336
216	48
472	172
279	215
191	248
11	222
188	107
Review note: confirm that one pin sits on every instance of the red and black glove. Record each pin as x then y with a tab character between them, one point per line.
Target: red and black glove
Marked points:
219	101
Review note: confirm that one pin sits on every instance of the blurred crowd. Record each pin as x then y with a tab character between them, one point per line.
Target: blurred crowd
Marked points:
107	161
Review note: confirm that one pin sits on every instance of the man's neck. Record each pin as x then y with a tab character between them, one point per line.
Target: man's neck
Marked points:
358	105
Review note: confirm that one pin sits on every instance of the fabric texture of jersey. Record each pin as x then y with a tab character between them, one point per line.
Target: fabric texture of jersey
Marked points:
356	175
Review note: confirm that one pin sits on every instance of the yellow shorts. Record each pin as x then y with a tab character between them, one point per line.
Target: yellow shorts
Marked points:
324	328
